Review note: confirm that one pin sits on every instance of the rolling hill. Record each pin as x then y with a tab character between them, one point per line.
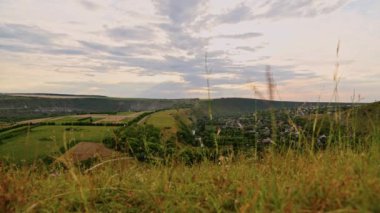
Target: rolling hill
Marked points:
16	107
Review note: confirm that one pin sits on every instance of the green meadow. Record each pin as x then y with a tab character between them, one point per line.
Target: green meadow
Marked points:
168	118
29	143
163	119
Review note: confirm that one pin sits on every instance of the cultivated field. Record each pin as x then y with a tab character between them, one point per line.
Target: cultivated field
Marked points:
121	117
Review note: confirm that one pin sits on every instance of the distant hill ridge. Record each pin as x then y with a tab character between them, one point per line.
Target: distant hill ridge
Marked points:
19	106
52	95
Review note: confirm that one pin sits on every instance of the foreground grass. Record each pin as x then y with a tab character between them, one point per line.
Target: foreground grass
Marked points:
331	180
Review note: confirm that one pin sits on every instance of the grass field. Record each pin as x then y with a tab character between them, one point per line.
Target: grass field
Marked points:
163	119
121	117
167	121
334	180
167	118
44	140
67	119
27	144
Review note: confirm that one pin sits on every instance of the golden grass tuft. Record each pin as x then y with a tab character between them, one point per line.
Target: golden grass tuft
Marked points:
332	180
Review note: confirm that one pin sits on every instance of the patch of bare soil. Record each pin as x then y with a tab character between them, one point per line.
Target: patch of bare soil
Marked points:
86	150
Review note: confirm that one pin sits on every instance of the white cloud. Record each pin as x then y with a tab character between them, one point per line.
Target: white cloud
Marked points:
220	76
103	45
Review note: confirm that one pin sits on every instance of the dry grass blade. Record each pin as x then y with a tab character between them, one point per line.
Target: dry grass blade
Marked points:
270	82
107	161
336	76
208	73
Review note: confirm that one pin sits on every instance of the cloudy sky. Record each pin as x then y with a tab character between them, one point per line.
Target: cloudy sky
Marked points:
156	48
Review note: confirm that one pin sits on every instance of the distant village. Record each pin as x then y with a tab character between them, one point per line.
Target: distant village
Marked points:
263	128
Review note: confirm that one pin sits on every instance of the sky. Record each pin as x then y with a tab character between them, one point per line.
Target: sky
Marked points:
157	48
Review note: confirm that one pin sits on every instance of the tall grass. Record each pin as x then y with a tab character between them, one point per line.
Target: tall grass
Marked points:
208	73
333	180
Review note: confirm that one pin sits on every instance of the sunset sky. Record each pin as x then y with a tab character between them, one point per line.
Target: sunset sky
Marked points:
156	49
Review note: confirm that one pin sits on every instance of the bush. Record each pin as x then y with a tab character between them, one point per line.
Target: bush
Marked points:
142	142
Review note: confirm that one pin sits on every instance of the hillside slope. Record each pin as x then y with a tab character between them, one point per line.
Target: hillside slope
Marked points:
15	108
